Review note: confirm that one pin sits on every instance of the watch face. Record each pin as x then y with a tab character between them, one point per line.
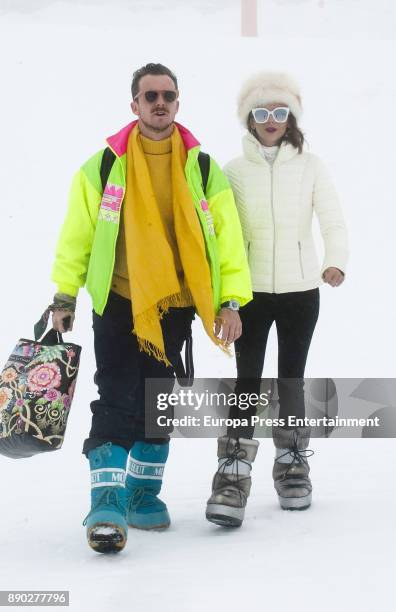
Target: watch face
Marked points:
232	305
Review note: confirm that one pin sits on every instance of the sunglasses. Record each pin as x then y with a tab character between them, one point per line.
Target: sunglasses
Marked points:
279	114
151	96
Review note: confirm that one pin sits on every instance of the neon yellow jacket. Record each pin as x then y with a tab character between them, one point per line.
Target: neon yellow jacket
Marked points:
85	252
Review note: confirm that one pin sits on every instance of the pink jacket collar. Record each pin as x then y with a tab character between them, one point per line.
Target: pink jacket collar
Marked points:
118	142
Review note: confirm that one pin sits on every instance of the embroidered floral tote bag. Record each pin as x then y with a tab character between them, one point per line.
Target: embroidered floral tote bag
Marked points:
36	390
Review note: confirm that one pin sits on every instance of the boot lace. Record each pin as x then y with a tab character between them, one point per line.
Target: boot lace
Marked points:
237	454
110	498
142	497
101	452
299	456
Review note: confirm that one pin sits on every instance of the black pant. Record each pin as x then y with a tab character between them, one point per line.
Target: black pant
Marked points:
295	315
119	413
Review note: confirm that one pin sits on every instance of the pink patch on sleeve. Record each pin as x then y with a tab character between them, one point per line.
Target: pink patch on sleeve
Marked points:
204	205
112	197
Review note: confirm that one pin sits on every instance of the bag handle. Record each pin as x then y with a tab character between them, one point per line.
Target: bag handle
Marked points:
52	336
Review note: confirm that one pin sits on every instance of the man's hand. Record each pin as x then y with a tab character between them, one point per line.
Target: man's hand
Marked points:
228	322
63	312
58	320
333	276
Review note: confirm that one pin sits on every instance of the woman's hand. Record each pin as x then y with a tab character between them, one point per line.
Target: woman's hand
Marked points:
333	276
228	322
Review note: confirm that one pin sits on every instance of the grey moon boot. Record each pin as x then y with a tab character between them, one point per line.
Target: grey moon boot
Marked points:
291	469
232	481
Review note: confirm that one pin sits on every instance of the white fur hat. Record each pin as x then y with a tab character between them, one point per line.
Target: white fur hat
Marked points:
266	88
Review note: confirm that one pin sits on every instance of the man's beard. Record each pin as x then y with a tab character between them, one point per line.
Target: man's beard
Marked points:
154	128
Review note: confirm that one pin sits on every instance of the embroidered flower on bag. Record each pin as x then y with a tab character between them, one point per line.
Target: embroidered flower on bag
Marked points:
52	395
9	375
66	401
5	396
44	377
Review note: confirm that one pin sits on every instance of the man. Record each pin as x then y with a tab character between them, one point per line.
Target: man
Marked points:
152	248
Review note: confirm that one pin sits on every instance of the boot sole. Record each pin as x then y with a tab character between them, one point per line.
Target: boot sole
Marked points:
295	503
154	521
150	527
225	516
112	542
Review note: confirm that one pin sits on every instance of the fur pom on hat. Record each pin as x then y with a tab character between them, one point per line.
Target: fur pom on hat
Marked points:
266	88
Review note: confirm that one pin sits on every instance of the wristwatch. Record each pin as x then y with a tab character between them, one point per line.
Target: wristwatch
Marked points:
231	304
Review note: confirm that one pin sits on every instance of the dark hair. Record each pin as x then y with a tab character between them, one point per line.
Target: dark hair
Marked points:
293	133
156	69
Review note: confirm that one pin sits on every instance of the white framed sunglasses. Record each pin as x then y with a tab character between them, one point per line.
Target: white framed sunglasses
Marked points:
279	114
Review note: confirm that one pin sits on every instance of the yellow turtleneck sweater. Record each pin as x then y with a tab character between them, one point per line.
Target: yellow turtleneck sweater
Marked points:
158	154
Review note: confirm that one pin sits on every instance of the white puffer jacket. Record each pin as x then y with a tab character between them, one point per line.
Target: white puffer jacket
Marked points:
275	205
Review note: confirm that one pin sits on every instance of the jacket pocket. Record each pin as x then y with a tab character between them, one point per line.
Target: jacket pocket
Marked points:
300	258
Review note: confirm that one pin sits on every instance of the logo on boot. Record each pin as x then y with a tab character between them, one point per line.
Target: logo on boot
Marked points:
150	471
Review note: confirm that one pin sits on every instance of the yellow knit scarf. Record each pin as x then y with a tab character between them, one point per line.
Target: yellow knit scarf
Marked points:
154	284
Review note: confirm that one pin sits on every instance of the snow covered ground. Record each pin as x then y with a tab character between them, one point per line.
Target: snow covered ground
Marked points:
65	71
338	555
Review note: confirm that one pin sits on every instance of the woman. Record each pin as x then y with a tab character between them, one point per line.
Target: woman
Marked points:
277	186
